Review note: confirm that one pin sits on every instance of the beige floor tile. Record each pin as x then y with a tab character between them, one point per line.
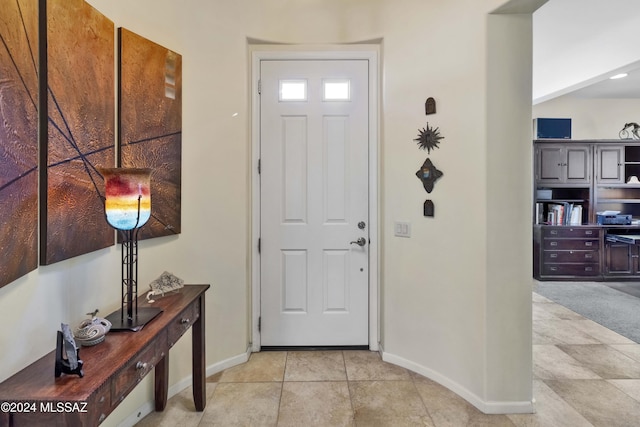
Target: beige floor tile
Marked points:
539	298
630	387
447	409
600	402
631	350
604	360
551	411
559	332
315	366
368	365
553	311
599	332
325	403
550	363
180	410
264	366
387	403
243	404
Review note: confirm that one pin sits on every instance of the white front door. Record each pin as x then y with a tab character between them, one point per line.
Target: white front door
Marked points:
314	193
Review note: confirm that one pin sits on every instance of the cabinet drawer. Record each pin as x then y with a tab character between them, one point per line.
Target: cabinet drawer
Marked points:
183	322
571	256
568	244
571	269
101	405
133	373
570	232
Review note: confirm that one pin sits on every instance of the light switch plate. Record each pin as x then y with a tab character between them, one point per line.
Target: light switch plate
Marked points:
402	229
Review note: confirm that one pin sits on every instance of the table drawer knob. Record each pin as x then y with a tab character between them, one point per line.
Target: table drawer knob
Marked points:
185	321
141	365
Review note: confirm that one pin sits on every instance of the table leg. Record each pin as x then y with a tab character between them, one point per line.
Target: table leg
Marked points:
162	382
199	359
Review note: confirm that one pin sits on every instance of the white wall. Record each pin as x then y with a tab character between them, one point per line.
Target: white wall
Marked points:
591	118
451	308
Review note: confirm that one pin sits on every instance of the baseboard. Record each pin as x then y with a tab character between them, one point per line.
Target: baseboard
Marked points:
487	407
149	407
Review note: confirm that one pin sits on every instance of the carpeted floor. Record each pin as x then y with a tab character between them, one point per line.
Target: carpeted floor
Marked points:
613	305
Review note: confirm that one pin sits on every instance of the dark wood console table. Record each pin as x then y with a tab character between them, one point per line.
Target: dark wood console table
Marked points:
34	397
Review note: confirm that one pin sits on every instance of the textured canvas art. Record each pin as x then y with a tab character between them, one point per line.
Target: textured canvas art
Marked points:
18	138
81	130
150	126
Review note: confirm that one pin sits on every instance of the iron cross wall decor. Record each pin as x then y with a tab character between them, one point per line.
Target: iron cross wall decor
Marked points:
428	139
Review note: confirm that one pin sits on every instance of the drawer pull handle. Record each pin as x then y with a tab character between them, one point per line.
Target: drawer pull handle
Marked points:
588	269
554	231
588	232
554	244
588	243
553	256
588	255
102	418
141	365
185	321
553	268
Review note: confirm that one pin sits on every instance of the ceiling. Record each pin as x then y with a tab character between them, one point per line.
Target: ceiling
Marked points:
628	87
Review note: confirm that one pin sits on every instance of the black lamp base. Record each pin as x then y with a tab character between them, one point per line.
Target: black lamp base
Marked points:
120	322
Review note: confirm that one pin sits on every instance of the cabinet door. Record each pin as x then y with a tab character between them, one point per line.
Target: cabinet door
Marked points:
610	165
577	165
620	259
550	164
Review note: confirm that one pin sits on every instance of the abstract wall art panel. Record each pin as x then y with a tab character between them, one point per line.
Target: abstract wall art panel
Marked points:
150	125
80	136
18	138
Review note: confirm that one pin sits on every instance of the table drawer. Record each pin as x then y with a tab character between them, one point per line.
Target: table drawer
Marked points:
133	372
570	232
571	256
568	244
571	269
182	323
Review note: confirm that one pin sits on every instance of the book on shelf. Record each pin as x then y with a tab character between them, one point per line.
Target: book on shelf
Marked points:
561	213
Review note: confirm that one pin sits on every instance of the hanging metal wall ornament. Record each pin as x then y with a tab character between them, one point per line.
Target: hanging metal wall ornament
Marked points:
428	138
428	174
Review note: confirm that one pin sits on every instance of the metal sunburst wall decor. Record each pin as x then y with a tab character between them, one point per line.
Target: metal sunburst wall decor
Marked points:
428	138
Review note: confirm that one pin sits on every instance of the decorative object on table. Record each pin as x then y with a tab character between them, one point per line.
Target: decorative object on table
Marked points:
635	131
428	138
92	331
166	283
633	180
430	106
428	174
127	207
427	208
67	354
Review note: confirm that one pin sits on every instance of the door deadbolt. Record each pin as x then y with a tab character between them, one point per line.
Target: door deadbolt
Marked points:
361	225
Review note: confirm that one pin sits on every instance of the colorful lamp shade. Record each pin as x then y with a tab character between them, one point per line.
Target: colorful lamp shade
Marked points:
127	197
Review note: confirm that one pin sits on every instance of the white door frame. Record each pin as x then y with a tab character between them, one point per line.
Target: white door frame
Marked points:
367	52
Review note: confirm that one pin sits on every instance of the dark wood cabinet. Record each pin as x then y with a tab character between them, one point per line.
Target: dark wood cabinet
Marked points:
563	164
567	252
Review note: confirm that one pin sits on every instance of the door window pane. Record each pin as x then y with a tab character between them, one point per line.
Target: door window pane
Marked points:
336	90
293	90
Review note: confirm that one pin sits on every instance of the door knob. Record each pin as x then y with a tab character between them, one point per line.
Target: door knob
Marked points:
360	242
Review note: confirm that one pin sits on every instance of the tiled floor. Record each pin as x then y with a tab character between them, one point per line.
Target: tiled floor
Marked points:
584	375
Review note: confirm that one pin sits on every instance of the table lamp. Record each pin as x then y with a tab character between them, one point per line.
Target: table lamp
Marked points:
127	206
